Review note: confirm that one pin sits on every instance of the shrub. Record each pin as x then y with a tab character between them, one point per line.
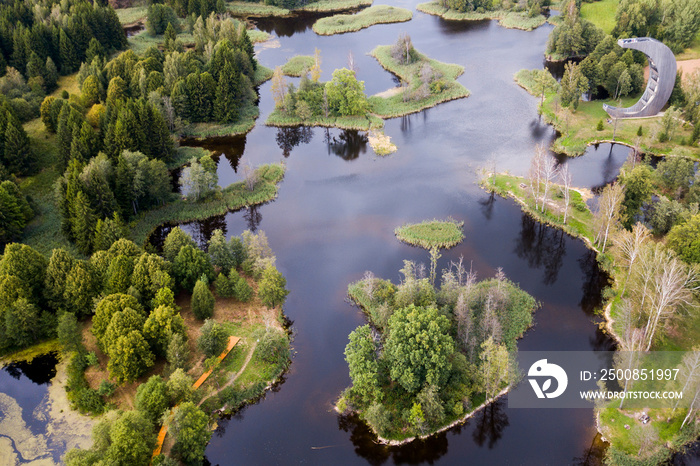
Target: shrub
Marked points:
243	290
213	338
273	347
600	126
224	287
106	389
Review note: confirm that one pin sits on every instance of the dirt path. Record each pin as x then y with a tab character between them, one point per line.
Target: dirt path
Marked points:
235	376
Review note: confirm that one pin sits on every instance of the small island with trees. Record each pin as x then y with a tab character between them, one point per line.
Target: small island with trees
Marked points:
431	356
377	14
514	15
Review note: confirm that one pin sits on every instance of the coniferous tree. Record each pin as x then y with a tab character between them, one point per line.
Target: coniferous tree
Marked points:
59	267
202	300
18	157
82	222
227	95
69	58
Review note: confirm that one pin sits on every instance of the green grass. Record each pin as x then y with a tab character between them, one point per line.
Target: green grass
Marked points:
140	42
296	65
44	231
255	9
431	234
231	198
335	5
132	15
28	354
257	36
579	221
578	128
394	106
359	123
601	13
378	14
508	19
244	124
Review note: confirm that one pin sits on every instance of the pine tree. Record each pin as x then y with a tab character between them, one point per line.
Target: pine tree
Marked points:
80	289
18	157
228	92
60	265
51	75
82	222
202	300
95	49
35	66
69	58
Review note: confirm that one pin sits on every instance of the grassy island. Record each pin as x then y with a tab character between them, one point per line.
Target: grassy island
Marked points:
441	234
298	65
377	14
261	9
507	19
404	389
428	83
590	124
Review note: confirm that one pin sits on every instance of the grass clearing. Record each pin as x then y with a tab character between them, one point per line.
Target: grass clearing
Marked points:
231	198
377	14
395	106
579	218
297	65
507	19
132	15
579	129
334	5
601	13
430	234
692	52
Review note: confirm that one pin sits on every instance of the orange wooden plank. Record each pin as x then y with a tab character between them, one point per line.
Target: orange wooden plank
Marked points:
160	440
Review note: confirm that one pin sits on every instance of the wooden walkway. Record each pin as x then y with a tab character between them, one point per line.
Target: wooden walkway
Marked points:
232	341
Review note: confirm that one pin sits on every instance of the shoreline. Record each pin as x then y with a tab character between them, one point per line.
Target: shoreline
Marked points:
506	19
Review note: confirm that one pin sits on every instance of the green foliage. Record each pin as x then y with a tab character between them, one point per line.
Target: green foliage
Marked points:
202	300
57	271
159	18
664	214
152	398
179	387
272	289
674	174
684	239
69	335
175	240
573	85
222	257
178	353
121	324
190	265
346	95
160	326
107	307
16	212
130	357
361	356
378	14
106	389
26	264
242	290
191	432
213	338
273	347
638	184
599	126
412	362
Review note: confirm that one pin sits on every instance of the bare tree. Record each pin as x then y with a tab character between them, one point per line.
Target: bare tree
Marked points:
689	371
693	407
352	64
250	176
673	285
631	338
628	247
534	175
549	170
608	214
368	284
565	177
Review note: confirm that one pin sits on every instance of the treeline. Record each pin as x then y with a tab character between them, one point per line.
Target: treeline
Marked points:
41	38
431	353
136	321
114	139
533	7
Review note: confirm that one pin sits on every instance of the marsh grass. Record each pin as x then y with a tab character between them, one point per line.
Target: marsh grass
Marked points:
132	15
297	65
578	129
257	36
395	105
507	19
377	14
231	198
255	9
335	5
358	123
430	234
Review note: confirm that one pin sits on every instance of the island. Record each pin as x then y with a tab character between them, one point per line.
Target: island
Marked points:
377	14
516	18
430	356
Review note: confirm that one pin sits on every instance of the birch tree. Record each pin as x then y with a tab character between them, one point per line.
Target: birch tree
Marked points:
689	371
549	170
565	177
279	88
534	175
628	247
608	214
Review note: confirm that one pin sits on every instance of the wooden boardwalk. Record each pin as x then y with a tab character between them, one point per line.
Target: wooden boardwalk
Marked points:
232	341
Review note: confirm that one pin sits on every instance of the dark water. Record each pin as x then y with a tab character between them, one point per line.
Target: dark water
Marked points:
334	218
27	383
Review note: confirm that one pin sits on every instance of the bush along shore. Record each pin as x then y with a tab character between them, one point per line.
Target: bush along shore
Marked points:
508	19
404	389
644	231
261	10
342	102
377	14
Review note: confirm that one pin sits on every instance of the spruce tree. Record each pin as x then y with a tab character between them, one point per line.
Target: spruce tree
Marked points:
202	300
18	157
51	75
69	58
227	95
82	222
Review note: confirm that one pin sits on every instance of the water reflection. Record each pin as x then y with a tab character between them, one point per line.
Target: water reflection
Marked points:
542	247
348	145
490	423
253	217
593	455
39	370
288	138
